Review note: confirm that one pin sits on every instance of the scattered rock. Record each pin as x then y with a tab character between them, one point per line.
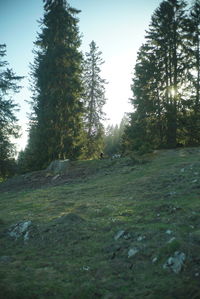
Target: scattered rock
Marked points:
119	234
55	177
20	230
141	238
122	234
154	260
58	166
6	259
182	169
26	236
169	232
195	181
132	252
86	268
127	236
176	262
171	240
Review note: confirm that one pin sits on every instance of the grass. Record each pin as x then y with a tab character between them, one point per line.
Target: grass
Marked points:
72	252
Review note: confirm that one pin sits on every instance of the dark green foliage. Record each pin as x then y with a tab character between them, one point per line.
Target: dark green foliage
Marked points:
8	120
166	81
193	75
94	100
55	130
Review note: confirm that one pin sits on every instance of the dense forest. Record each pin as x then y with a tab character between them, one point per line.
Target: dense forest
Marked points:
67	120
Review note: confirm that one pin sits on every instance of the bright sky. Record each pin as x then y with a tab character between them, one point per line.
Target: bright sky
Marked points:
118	28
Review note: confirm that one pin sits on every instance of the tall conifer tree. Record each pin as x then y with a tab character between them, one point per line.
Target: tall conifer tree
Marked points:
160	73
8	121
57	109
193	75
94	100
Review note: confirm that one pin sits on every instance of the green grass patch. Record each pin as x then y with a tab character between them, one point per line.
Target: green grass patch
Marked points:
73	252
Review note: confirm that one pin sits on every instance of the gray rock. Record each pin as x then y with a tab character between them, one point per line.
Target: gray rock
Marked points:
176	262
141	238
20	229
26	236
6	259
171	240
168	232
195	181
132	251
55	177
119	234
127	236
154	260
58	166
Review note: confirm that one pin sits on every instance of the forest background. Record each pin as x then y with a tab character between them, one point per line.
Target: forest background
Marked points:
165	90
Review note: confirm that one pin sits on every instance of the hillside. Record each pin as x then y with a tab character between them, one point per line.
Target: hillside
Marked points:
124	228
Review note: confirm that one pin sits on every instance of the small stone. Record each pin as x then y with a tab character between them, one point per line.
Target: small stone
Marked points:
195	181
169	232
176	262
6	259
141	238
196	274
171	240
55	177
86	268
127	236
154	260
119	235
26	236
182	169
132	252
19	229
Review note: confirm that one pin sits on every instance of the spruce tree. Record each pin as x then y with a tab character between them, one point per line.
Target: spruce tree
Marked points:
193	75
160	73
55	131
94	100
8	121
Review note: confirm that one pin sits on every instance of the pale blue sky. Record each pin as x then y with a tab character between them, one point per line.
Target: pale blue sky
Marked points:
118	28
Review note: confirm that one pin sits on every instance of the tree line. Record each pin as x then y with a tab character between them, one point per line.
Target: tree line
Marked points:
166	82
69	93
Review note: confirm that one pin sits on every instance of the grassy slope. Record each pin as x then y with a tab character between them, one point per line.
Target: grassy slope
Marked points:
73	253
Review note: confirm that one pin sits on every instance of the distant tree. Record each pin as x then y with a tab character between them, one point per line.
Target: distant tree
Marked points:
8	121
94	100
56	122
113	138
